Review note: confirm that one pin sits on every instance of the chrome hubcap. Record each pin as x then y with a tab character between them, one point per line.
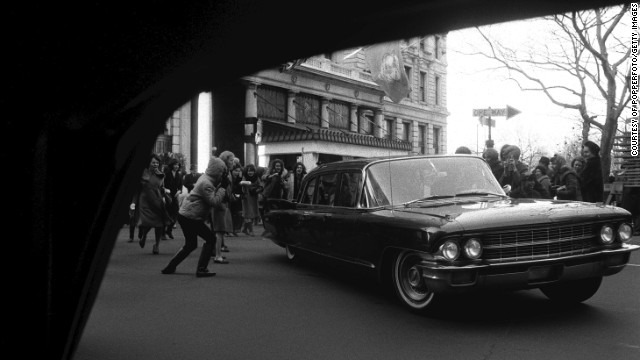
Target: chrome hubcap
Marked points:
414	277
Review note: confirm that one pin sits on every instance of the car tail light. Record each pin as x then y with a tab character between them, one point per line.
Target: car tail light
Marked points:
606	235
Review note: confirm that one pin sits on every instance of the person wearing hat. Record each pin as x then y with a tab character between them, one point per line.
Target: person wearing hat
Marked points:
195	210
592	185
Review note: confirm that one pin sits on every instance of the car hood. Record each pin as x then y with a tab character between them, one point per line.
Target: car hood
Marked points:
470	214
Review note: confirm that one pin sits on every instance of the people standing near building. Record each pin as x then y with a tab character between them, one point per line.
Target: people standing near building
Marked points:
491	156
251	188
527	190
514	170
190	179
546	163
235	200
195	212
260	172
173	182
224	220
566	184
151	203
273	181
543	179
463	150
592	185
577	164
299	173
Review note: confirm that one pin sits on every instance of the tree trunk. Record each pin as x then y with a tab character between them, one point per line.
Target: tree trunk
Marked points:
586	127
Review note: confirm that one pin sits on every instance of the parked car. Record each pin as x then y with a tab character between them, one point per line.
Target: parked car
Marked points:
431	225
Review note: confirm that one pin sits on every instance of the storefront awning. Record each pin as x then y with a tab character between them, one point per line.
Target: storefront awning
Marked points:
274	131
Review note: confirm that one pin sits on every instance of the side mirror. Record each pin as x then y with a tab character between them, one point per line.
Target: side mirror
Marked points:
507	189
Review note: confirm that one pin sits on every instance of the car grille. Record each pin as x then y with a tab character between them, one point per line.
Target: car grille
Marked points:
539	243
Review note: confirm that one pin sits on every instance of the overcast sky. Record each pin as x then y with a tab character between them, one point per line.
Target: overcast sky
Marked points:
471	86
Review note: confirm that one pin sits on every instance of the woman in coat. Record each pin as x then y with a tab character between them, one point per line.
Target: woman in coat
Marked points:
251	189
274	180
235	200
592	183
567	183
195	212
299	171
544	181
151	203
173	182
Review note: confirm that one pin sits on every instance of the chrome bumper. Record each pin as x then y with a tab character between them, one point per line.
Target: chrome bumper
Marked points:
524	274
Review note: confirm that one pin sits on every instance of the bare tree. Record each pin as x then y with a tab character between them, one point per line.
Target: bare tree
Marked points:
585	67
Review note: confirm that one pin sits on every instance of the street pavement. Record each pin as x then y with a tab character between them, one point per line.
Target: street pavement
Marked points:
260	306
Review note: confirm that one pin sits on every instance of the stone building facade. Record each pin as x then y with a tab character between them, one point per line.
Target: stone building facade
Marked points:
326	108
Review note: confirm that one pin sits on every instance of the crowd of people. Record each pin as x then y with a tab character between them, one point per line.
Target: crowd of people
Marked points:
579	179
227	199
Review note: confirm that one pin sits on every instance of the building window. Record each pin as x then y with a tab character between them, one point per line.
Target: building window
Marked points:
437	47
422	144
423	86
407	70
436	140
307	109
365	125
390	131
338	115
406	131
272	103
438	92
423	47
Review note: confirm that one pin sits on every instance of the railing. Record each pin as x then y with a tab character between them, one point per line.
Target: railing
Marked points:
345	71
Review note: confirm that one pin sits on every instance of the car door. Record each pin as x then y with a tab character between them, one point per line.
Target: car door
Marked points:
318	218
300	219
343	242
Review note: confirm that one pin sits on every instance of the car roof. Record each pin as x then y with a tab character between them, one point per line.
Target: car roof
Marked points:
361	163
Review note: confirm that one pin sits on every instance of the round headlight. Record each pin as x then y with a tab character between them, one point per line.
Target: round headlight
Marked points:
606	234
625	232
473	249
450	250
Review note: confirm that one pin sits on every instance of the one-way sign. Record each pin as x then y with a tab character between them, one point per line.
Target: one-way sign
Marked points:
509	112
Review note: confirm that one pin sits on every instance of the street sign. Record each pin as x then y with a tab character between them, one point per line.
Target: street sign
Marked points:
485	121
508	112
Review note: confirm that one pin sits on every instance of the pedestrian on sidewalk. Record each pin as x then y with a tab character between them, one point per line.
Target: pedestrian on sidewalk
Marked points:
251	188
195	210
151	203
173	182
235	200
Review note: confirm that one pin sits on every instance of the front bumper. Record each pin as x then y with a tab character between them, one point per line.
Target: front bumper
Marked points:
524	274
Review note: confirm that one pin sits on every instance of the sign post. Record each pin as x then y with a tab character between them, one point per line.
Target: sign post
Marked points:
508	112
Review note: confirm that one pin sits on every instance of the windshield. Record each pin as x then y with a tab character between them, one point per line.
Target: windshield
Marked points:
401	181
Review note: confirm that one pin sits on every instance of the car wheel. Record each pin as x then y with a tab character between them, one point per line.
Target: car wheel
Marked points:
572	292
409	284
291	253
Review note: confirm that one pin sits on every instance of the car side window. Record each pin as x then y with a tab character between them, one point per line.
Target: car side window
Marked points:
327	189
307	195
349	184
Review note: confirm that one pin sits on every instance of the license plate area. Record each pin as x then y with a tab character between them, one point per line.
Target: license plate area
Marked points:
544	273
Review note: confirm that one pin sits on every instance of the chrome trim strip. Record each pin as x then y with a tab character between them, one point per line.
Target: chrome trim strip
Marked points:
625	249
